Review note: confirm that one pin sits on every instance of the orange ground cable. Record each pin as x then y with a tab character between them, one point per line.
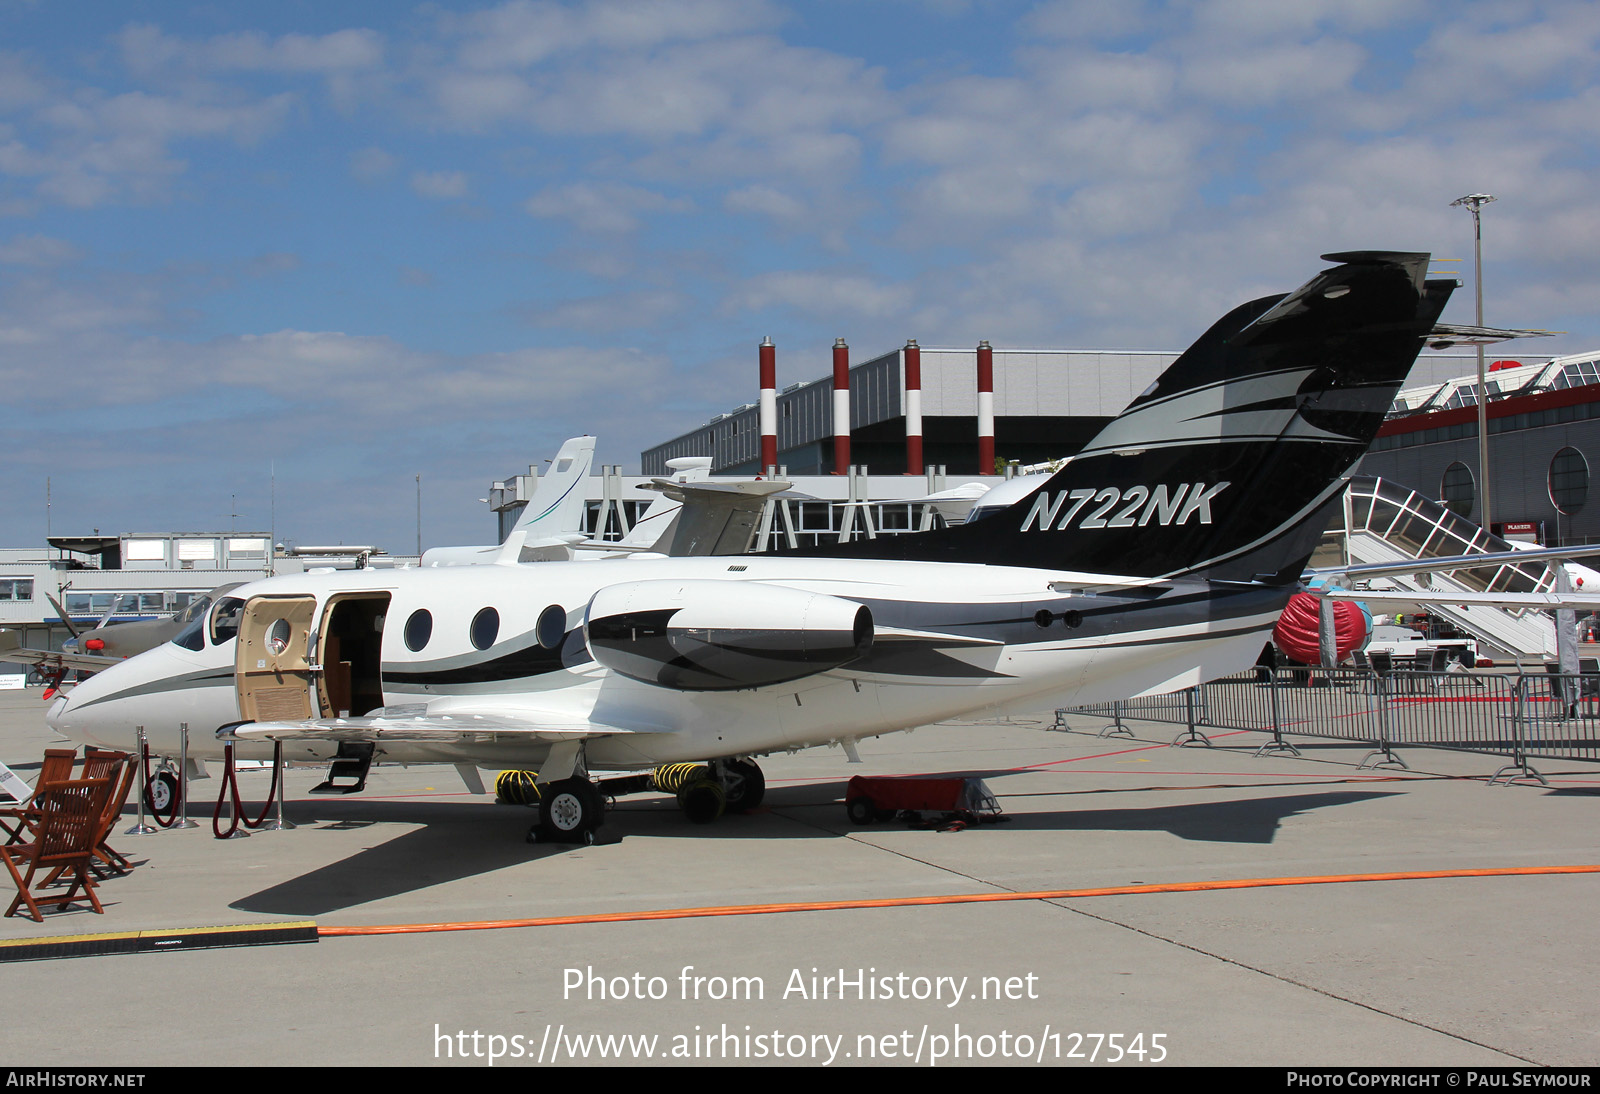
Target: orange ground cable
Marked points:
956	898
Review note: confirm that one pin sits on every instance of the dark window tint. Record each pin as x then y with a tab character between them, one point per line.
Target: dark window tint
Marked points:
1569	481
552	626
419	628
225	620
485	628
192	637
1458	490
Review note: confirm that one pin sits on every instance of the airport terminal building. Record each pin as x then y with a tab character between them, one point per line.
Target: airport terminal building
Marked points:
1046	404
1544	433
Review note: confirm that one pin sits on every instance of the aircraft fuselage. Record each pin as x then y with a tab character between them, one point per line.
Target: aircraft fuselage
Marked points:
946	640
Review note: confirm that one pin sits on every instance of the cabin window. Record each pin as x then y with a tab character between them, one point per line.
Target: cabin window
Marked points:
485	628
419	628
551	629
225	620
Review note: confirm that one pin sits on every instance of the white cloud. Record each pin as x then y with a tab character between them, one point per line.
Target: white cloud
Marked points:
822	294
1269	75
606	207
766	201
441	185
525	32
643	309
38	250
149	51
93	148
371	164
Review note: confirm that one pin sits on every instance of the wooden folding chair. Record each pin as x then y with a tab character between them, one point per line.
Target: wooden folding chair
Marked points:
67	820
17	819
121	770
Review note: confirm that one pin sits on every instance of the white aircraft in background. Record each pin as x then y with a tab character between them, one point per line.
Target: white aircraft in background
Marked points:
691	517
1159	557
551	522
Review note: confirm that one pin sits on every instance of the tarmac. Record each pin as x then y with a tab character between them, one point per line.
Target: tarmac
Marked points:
1177	969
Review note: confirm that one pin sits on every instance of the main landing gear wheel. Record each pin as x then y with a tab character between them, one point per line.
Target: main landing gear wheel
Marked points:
162	792
862	810
743	785
569	812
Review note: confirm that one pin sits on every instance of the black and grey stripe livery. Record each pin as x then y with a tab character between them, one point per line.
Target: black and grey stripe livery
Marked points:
1229	466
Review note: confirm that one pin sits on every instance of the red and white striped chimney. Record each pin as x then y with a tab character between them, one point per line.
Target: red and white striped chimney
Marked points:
913	354
841	407
769	405
985	408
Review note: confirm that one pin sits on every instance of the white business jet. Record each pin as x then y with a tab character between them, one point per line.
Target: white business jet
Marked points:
1158	558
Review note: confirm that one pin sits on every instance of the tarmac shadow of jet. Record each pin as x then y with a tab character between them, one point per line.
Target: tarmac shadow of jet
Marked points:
448	847
1241	820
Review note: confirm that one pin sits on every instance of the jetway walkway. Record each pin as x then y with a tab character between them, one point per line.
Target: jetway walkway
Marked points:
1386	522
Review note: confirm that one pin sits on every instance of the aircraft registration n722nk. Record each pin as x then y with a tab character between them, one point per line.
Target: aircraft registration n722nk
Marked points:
1159	557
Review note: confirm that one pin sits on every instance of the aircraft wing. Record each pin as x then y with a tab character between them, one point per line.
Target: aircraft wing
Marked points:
1541	601
12	649
1447	563
717	518
456	727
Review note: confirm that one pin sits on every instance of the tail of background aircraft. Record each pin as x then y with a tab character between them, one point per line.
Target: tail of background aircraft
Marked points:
556	508
1229	466
553	517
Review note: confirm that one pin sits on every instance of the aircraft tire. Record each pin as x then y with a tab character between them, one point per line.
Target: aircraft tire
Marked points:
862	810
161	793
569	812
747	786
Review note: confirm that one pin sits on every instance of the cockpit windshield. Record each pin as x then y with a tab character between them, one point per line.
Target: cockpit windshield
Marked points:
195	609
193	634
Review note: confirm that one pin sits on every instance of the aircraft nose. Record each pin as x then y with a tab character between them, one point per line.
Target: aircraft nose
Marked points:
70	646
58	709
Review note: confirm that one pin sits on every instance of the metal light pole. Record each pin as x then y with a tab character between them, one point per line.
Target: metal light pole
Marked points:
1475	203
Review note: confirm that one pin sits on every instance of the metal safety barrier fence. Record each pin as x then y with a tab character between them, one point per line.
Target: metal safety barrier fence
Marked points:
1521	716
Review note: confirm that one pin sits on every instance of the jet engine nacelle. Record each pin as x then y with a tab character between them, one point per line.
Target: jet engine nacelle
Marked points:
721	635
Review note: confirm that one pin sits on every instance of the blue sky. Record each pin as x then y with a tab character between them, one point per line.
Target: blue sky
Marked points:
352	243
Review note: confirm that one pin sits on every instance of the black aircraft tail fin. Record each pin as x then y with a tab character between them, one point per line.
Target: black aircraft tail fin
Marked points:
1229	466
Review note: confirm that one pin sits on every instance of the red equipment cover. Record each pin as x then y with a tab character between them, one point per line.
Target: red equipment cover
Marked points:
1297	634
946	794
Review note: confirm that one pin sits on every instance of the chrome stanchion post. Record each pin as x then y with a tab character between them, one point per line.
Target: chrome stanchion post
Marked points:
182	820
277	823
140	828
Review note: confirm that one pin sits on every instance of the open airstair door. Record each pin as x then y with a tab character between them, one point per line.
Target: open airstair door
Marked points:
350	651
272	668
292	668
